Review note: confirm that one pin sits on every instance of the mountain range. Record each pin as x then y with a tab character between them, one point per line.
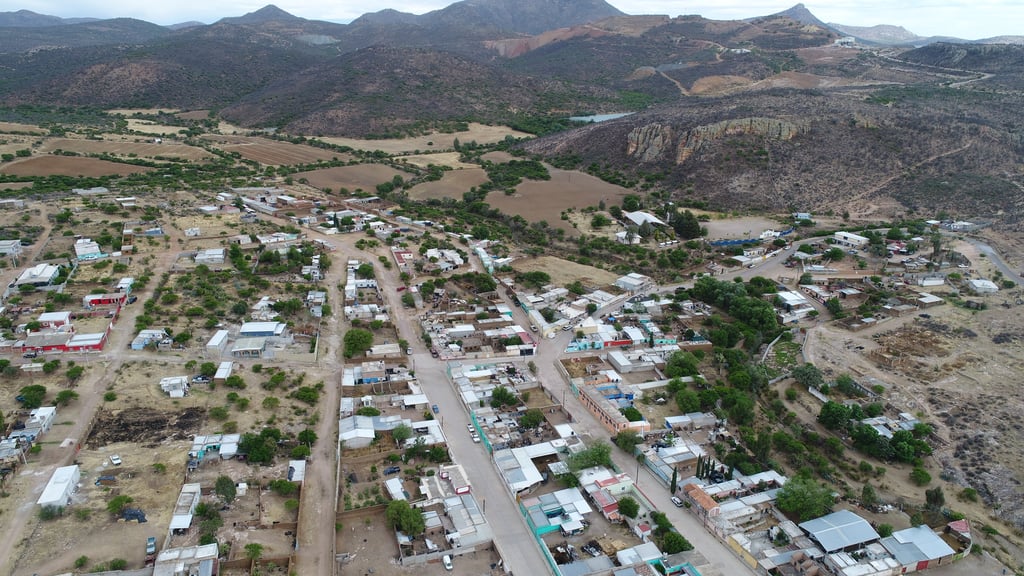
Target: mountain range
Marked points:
768	112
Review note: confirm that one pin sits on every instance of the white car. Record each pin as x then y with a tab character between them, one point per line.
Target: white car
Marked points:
115	459
447	561
476	438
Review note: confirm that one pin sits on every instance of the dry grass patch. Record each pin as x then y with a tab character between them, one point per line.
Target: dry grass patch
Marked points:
452	185
564	272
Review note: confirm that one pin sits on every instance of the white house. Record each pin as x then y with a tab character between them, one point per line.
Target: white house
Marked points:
210	256
10	247
86	249
849	239
218	343
633	282
982	286
61	486
175	386
625	238
38	275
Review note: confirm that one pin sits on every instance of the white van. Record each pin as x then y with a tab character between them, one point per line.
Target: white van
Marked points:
447	561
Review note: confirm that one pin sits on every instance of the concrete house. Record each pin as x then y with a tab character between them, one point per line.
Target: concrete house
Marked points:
61	486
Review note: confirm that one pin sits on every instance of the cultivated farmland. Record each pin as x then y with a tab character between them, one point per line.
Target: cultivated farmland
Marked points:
273	153
69	166
365	176
546	199
125	148
452	185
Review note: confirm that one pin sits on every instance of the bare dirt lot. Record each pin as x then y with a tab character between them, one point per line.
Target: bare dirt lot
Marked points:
363	176
738	228
69	166
480	133
87	528
956	371
546	199
125	148
564	272
271	152
452	185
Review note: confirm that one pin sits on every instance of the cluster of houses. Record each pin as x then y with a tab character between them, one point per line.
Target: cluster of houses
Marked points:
55	332
477	332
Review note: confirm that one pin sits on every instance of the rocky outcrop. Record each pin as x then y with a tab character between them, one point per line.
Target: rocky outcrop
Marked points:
647	143
651	142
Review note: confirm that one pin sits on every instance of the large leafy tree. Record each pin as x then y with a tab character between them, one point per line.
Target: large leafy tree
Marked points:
805	498
405	518
357	341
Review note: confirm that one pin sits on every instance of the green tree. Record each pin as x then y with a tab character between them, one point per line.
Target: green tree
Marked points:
686	226
805	498
118	503
885	530
502	396
632	414
808	376
64	397
674	543
74	373
400	434
32	396
834	416
532	418
629	507
307	436
920	476
253	551
868	495
225	488
627	440
357	341
405	518
208	369
599	454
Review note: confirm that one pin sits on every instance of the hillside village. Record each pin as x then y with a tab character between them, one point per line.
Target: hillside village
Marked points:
541	374
639	295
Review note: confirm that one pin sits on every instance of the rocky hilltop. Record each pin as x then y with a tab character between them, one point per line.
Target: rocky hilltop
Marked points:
654	142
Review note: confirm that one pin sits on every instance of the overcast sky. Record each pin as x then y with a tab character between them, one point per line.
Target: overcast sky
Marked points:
969	19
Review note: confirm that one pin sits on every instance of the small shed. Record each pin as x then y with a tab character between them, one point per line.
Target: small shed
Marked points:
223	372
297	470
61	486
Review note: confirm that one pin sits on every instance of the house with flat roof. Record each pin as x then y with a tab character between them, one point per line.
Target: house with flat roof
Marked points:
10	248
210	256
188	561
39	275
61	486
185	508
262	329
849	239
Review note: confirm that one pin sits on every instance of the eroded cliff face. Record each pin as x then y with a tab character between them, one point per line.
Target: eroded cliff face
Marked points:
652	142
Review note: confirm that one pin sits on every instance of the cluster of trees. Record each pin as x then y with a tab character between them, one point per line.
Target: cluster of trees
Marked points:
805	498
668	539
904	446
508	175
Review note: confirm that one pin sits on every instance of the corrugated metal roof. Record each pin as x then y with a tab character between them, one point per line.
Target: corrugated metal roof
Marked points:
839	530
